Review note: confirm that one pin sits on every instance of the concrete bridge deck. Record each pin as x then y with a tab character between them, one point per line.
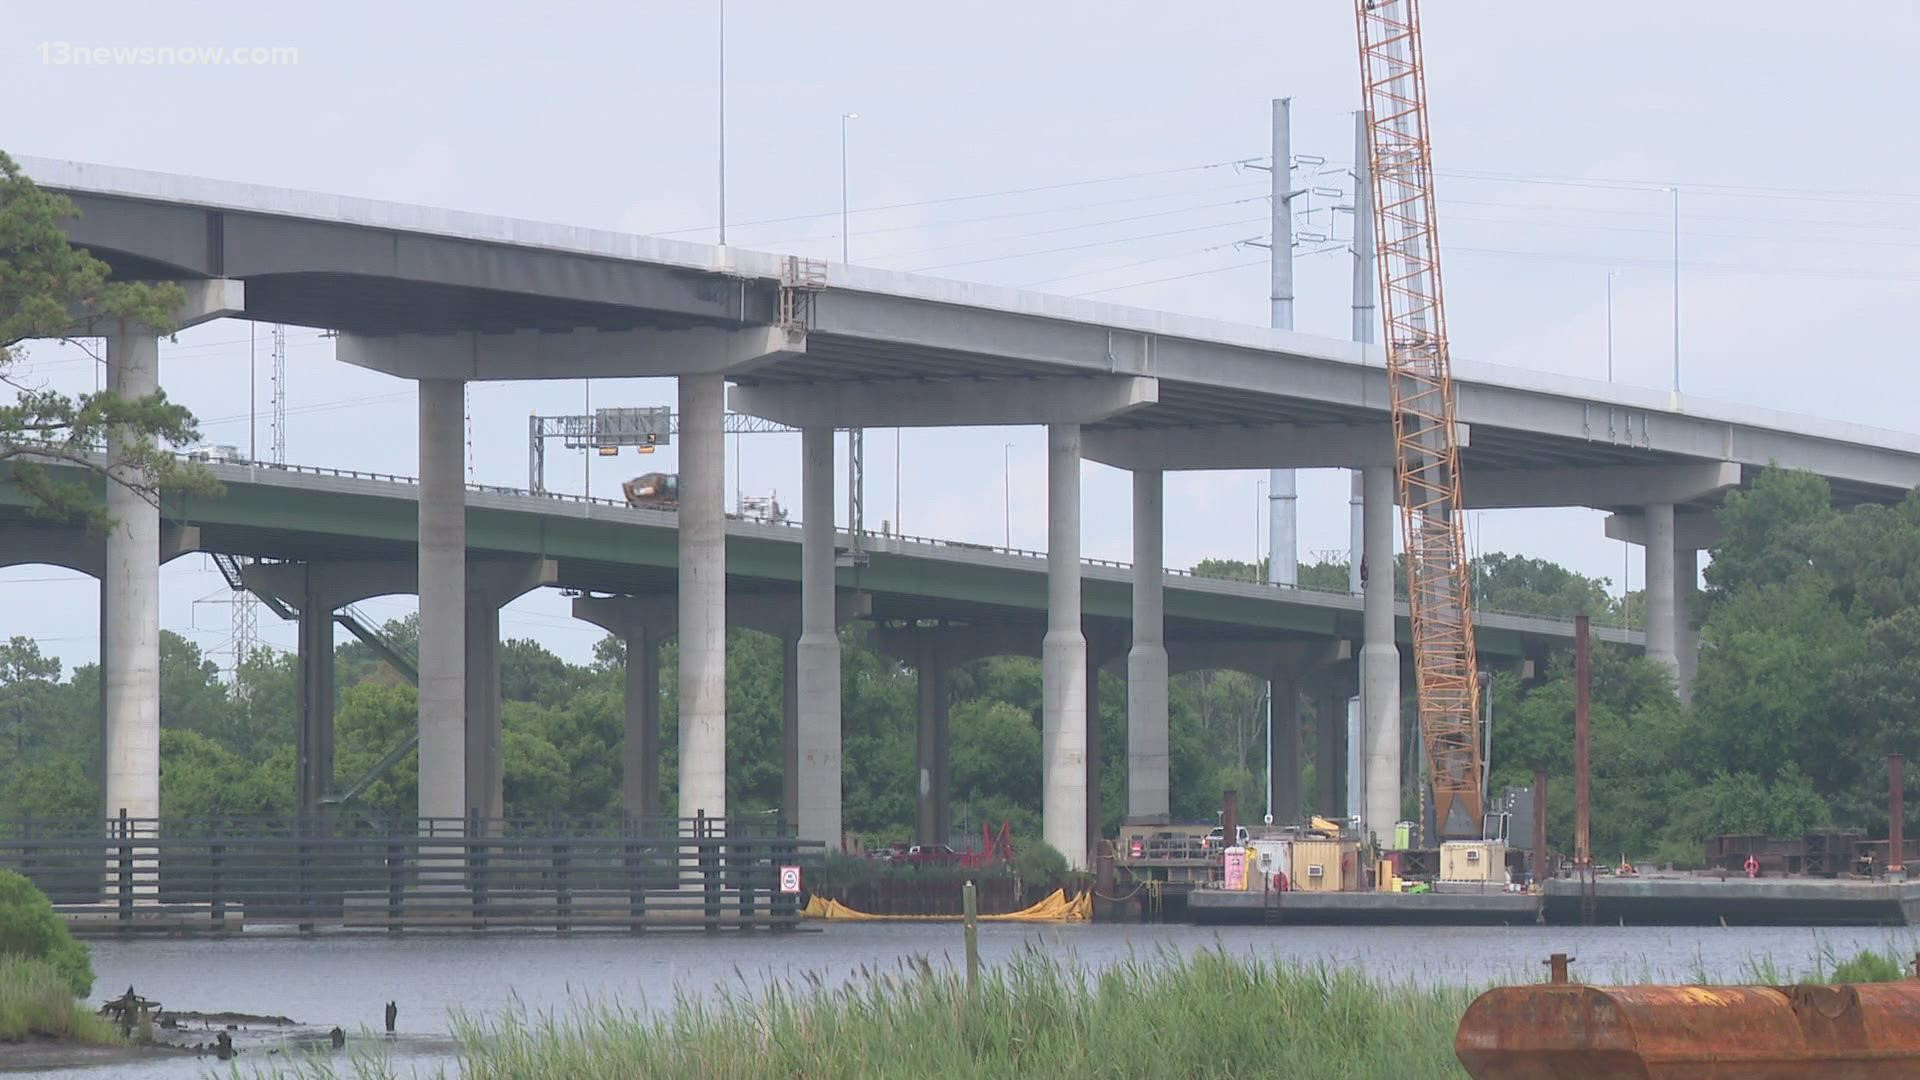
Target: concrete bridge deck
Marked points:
444	298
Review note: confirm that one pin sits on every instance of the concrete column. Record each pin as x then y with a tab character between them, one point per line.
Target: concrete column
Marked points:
1329	748
443	599
930	745
703	598
1095	811
1686	563
640	754
1663	617
1354	739
1147	795
790	727
486	775
1283	753
130	604
313	737
1063	657
1380	656
817	654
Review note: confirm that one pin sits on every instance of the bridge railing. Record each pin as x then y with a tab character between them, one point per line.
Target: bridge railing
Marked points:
939	542
171	874
866	534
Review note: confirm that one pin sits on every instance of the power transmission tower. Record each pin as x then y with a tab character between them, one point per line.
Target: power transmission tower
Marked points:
279	394
246	609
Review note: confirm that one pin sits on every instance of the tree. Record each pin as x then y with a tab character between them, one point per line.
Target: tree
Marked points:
30	928
1526	586
47	288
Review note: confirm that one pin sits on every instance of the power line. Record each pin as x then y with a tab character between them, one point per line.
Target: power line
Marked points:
1083	225
1124	266
917	226
1091	244
972	196
1173	277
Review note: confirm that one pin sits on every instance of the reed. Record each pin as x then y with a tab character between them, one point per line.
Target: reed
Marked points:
36	1001
1208	1014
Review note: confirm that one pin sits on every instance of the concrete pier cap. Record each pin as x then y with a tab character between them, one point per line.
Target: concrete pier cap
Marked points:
574	354
947	402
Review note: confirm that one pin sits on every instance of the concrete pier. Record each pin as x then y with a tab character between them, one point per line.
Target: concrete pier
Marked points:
640	750
1663	640
790	727
313	719
1330	746
1686	595
932	806
1063	659
703	598
817	653
443	599
1380	656
1147	795
130	606
641	624
491	585
1283	753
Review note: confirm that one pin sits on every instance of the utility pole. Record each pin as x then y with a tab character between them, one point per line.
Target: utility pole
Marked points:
1282	493
1283	553
1364	318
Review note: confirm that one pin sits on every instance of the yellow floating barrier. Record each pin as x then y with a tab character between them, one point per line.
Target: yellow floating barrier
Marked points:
1055	908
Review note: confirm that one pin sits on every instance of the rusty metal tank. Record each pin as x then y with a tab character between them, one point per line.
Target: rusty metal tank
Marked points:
1562	1029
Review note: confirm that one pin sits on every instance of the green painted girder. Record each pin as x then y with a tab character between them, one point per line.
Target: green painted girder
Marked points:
606	548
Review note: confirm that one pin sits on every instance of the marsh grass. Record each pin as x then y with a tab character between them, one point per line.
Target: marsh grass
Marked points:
36	1000
1209	1014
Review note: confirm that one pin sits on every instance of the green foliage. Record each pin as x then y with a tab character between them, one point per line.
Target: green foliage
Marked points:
37	1001
1527	586
1209	1015
30	930
1867	966
1039	863
47	288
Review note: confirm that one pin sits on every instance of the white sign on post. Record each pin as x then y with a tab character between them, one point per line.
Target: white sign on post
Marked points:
789	879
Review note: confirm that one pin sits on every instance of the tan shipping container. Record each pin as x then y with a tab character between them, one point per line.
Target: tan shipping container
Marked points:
1316	865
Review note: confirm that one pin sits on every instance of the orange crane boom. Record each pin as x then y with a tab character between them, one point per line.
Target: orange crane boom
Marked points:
1420	384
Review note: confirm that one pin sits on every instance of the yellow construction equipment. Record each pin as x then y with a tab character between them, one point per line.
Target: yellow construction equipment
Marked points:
1420	385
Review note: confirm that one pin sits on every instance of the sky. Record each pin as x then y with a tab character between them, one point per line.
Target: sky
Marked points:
1093	149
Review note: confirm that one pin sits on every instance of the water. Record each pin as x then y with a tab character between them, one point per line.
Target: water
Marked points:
347	979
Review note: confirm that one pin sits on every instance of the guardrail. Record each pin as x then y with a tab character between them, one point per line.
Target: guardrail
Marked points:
131	875
865	534
1024	553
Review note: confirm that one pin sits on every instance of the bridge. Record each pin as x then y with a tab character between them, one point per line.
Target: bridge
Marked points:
445	298
333	538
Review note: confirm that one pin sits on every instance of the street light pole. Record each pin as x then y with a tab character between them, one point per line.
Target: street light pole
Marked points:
723	123
1609	326
844	213
1006	490
1676	293
1259	505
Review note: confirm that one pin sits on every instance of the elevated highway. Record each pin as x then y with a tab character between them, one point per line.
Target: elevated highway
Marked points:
444	298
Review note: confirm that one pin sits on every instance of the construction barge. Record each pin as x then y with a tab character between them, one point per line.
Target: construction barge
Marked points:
1654	900
1323	874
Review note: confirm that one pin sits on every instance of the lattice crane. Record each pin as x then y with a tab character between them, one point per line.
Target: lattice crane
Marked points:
1420	384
